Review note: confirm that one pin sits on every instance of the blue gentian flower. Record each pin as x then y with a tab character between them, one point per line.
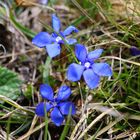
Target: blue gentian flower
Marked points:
43	1
134	51
52	42
58	105
87	67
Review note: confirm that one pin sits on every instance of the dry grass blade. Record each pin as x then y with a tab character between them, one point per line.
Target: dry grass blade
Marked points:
94	122
33	122
77	126
121	59
4	50
8	114
108	127
14	104
101	108
27	3
82	10
113	113
3	135
31	132
131	134
21	53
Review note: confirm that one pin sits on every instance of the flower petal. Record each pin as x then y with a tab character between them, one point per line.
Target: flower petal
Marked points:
95	54
43	1
40	108
74	72
80	52
71	41
56	24
46	92
63	93
69	30
102	69
91	78
65	108
42	39
134	51
57	117
53	49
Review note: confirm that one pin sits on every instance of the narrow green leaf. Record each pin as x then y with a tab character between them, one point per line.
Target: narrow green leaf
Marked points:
24	29
67	126
46	70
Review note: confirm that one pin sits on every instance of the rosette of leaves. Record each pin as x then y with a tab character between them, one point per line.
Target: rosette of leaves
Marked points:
9	83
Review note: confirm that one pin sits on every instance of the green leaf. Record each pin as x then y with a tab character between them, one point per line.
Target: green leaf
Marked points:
29	91
67	126
24	29
9	83
46	70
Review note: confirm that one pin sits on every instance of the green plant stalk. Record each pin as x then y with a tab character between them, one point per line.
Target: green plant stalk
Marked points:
66	128
46	70
8	128
46	124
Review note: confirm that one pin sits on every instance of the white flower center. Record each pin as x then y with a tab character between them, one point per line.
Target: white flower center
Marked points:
58	39
54	104
87	64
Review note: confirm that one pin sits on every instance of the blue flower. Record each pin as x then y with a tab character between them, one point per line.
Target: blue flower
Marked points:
52	42
43	1
58	105
134	51
90	70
